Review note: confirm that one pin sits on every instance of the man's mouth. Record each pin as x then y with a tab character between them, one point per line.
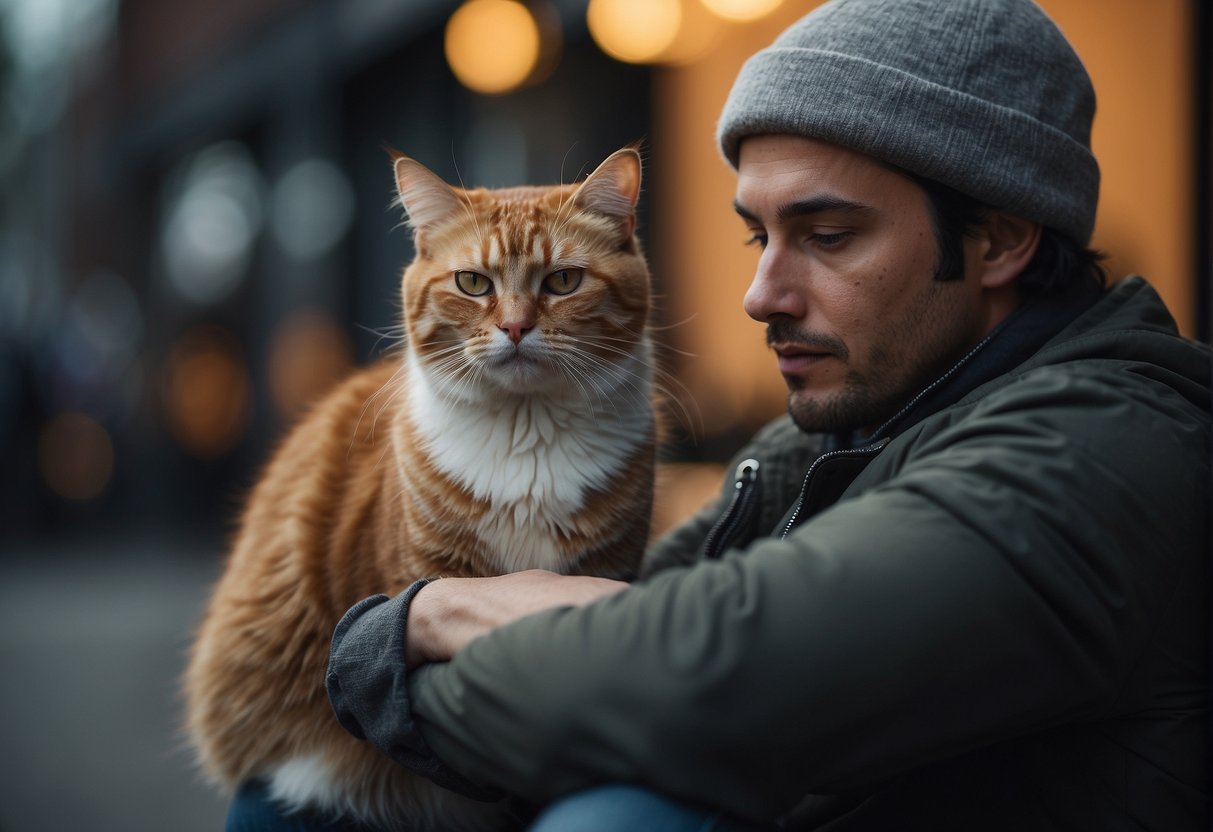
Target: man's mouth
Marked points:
794	359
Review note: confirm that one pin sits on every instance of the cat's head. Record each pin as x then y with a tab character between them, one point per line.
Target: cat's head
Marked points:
528	289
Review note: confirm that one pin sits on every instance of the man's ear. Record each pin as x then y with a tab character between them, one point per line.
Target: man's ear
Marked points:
1006	244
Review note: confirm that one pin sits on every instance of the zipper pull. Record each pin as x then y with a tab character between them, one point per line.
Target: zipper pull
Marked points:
740	507
747	472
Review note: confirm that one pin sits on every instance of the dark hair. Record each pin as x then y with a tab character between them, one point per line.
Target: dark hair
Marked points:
1058	263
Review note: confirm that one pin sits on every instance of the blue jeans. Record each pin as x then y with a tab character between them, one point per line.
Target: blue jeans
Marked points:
615	808
619	808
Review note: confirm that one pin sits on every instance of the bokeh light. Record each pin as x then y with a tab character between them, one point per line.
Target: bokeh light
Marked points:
94	350
493	46
31	290
105	310
698	32
205	392
742	11
215	214
308	353
635	31
311	208
75	456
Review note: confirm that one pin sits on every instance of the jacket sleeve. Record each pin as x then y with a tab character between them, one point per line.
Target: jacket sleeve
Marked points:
367	687
1004	579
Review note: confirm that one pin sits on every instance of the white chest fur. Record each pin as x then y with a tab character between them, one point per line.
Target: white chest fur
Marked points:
535	458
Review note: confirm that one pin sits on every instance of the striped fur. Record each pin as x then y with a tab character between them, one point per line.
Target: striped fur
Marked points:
513	431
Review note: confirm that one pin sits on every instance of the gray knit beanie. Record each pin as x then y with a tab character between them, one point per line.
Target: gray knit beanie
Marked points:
985	96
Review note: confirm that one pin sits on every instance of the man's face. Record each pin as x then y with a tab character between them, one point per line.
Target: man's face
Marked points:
845	281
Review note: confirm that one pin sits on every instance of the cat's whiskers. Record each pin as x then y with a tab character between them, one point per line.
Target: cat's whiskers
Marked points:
564	211
601	368
559	219
670	388
566	200
398	390
465	201
570	372
439	361
568	362
393	381
397	334
672	326
468	378
662	380
455	374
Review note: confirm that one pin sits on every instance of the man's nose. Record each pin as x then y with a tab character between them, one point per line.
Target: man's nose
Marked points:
775	289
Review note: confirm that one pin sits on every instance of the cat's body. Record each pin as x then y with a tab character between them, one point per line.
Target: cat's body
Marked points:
514	431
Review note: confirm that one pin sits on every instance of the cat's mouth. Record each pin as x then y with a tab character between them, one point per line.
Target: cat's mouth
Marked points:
515	358
521	368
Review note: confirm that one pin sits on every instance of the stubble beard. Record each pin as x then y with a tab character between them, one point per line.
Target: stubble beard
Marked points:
861	403
856	407
888	382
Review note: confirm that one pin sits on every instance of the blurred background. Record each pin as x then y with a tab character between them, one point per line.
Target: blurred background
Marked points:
195	241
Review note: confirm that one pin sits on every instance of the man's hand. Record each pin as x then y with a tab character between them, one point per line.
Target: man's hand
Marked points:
448	613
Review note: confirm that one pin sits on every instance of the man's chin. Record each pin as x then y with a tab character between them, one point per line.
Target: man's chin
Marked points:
816	413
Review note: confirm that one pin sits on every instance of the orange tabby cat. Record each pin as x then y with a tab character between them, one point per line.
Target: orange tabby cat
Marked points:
514	431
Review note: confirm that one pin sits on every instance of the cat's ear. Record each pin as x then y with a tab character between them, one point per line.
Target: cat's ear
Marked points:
613	188
425	197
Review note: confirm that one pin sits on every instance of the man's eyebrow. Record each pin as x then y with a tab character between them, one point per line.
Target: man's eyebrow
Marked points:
819	204
805	207
743	213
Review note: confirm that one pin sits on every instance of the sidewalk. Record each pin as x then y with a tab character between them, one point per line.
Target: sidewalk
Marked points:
92	644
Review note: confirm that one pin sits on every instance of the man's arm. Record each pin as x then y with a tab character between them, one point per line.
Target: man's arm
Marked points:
957	605
447	614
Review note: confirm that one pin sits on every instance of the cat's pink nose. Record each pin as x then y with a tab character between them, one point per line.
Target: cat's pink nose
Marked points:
516	329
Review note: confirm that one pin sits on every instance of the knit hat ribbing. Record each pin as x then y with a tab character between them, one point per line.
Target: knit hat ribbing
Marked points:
985	96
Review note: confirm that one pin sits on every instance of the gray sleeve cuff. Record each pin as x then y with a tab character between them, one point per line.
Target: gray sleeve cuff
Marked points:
368	690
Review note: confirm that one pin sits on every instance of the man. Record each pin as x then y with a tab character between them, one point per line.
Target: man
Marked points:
962	586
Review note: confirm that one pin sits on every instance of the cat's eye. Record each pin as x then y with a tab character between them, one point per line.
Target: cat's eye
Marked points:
471	283
562	282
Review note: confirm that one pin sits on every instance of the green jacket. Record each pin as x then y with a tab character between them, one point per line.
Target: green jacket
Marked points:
991	616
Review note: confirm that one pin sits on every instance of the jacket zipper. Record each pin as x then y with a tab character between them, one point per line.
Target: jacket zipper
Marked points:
955	368
872	449
739	510
876	446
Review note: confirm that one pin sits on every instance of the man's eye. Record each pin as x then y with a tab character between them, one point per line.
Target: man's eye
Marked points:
757	239
831	240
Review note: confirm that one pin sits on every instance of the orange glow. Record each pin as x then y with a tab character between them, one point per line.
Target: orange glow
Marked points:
1139	58
671	32
681	490
635	31
698	33
75	456
742	11
205	392
308	353
492	46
